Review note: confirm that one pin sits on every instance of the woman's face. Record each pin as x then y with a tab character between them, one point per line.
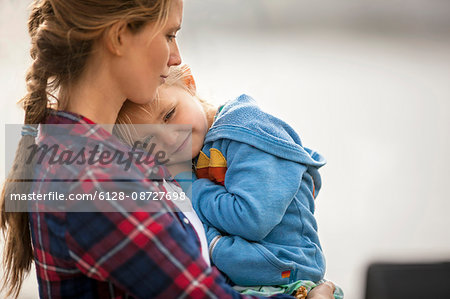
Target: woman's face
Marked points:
147	57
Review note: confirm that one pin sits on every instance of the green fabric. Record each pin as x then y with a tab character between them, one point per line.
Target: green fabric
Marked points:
218	111
267	291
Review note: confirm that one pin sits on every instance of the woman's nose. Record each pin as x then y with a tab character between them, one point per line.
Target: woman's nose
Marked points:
175	57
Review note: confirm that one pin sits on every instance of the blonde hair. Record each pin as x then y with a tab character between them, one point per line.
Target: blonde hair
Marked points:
179	76
62	34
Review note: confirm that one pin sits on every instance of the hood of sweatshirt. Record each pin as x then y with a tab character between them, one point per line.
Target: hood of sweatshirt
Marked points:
242	120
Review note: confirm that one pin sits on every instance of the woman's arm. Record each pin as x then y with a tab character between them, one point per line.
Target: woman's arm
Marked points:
146	254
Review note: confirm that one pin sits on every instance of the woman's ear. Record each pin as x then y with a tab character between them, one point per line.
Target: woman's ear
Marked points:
115	36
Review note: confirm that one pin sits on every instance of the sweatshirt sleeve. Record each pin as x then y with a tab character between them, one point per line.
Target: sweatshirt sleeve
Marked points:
258	189
131	249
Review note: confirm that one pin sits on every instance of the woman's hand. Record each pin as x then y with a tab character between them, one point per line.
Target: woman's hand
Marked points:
322	291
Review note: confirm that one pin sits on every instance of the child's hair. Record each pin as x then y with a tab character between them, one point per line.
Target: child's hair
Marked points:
179	76
62	34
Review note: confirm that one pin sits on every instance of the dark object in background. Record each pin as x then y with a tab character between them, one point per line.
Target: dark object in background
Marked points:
408	281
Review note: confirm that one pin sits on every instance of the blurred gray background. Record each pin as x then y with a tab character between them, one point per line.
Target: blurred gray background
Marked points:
366	83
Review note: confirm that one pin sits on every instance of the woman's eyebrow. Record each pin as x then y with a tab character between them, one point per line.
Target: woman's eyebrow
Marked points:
175	28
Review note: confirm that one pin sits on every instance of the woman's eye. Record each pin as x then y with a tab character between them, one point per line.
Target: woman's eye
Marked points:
171	37
169	115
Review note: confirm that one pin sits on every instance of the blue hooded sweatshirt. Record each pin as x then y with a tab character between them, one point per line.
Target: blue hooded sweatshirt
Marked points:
256	198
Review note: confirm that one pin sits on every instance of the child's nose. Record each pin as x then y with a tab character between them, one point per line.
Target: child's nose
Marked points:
169	137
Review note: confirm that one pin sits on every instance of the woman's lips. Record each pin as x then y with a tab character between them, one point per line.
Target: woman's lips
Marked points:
163	78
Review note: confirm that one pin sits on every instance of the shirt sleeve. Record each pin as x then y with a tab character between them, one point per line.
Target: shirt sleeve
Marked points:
146	254
257	192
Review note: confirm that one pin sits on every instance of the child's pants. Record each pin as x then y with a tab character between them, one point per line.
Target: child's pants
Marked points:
267	291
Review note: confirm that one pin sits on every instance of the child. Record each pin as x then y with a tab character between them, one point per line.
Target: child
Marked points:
255	190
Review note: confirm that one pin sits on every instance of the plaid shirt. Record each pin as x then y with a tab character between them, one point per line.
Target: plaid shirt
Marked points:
114	254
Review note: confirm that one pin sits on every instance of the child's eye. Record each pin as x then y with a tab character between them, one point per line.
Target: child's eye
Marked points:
169	114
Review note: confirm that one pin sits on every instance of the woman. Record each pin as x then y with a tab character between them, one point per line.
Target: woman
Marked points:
92	56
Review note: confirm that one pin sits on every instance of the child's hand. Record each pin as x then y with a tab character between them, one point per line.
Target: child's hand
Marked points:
211	232
213	236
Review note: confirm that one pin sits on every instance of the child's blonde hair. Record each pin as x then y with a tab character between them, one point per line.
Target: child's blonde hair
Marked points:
179	76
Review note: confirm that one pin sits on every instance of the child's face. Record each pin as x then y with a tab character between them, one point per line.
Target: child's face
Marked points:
176	106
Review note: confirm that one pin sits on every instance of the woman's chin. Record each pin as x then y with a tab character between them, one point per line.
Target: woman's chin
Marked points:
143	100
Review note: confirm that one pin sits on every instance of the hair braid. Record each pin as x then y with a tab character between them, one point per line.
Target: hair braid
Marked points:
18	253
62	34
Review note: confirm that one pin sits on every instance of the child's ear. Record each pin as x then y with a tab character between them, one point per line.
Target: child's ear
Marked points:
188	78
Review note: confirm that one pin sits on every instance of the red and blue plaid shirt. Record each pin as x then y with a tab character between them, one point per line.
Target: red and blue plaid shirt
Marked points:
114	254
